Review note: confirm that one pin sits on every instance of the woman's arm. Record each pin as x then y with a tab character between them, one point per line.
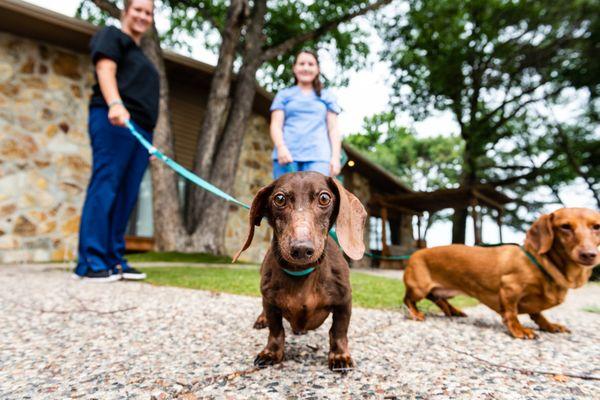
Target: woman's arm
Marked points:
106	70
283	154
336	143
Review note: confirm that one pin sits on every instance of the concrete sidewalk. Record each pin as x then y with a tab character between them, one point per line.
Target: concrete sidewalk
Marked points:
62	338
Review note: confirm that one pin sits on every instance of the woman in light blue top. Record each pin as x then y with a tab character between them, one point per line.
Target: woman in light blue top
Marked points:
304	125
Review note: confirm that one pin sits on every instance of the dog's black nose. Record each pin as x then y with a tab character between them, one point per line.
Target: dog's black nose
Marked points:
588	256
302	250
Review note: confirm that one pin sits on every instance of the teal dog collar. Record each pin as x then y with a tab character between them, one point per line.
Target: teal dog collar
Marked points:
304	272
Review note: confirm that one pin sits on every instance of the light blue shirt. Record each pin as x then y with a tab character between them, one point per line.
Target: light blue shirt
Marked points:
305	123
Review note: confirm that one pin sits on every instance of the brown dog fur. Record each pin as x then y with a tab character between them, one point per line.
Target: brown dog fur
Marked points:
301	208
565	242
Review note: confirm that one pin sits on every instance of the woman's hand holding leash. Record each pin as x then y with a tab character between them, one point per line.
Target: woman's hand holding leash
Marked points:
283	155
117	113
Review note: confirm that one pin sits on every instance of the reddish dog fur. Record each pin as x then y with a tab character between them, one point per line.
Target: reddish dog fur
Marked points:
301	208
503	278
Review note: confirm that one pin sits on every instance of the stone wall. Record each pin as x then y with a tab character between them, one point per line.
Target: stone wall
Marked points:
44	149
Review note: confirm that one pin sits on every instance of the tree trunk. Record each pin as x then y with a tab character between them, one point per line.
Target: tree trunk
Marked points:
459	225
168	222
459	219
575	165
218	99
210	238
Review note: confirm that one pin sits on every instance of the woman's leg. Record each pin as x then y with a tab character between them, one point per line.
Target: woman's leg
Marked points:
110	157
127	195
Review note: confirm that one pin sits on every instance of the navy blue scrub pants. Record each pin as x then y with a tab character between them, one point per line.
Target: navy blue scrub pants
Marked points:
119	162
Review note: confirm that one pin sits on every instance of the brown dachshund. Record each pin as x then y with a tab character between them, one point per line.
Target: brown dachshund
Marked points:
304	276
560	251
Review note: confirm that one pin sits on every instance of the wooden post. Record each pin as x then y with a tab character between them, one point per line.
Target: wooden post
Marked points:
499	220
475	216
384	217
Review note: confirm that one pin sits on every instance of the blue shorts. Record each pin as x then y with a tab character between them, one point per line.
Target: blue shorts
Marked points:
298	166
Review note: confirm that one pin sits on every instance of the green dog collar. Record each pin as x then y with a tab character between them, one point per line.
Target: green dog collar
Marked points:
536	263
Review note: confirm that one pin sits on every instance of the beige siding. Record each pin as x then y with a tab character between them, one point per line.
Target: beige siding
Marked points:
187	109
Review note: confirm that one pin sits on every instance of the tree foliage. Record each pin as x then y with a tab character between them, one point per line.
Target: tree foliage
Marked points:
579	147
425	164
346	44
491	63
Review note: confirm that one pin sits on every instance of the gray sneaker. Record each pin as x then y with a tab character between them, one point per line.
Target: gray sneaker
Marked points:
130	274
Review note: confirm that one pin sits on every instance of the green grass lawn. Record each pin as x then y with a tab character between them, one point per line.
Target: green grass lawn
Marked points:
173	256
592	309
367	290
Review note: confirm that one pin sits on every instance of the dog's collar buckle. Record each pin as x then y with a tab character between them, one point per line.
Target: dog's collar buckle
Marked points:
303	272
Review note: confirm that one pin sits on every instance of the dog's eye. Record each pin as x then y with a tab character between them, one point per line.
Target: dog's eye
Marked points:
566	227
596	227
324	199
279	200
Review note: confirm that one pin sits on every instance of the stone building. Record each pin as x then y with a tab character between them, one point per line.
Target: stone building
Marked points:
45	157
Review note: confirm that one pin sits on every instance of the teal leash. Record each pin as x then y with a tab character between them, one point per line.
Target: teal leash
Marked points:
153	151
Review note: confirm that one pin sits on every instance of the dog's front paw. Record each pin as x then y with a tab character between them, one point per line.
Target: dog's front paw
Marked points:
340	362
458	313
523	333
267	357
416	315
261	322
555	328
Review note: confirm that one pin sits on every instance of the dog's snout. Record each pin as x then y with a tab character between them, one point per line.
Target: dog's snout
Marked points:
302	250
588	255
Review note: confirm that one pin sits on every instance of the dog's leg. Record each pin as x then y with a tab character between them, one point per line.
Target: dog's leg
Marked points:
448	309
509	299
261	321
410	300
273	351
339	354
548	326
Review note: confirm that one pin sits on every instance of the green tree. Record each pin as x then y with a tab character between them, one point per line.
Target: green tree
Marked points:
580	147
490	63
253	38
424	164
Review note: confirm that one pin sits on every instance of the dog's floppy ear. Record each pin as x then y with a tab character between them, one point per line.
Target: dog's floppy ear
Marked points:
350	221
541	236
257	211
